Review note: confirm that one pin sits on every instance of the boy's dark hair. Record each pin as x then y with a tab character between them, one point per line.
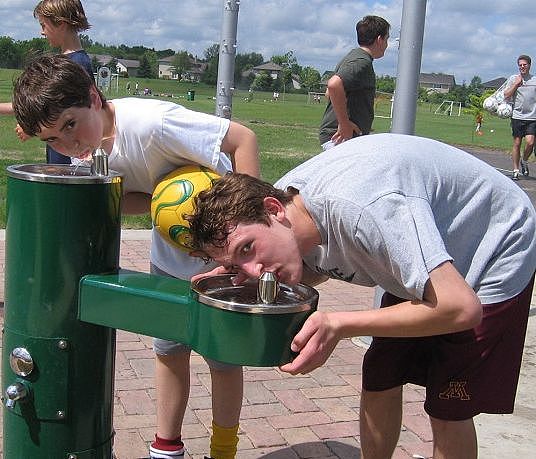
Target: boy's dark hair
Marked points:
524	57
48	86
233	199
68	11
369	28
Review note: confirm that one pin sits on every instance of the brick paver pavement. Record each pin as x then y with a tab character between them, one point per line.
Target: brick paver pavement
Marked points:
283	417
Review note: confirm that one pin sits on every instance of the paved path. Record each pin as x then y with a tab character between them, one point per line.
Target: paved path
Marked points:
312	416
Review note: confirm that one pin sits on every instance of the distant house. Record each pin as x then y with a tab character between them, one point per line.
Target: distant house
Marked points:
270	67
436	82
194	73
165	69
102	59
274	70
494	84
326	76
128	66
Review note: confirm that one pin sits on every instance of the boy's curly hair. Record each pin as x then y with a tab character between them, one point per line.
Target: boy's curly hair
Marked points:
233	199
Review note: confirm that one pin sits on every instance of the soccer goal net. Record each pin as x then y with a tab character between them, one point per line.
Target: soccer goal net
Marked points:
316	97
449	108
383	105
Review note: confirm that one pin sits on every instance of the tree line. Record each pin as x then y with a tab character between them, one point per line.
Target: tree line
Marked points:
15	53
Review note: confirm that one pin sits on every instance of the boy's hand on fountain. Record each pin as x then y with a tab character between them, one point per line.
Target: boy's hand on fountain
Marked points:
238	279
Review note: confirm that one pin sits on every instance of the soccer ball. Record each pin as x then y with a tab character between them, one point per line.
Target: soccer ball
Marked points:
504	110
490	104
174	197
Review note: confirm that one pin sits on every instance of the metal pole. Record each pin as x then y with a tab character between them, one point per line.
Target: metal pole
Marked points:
404	107
224	87
409	65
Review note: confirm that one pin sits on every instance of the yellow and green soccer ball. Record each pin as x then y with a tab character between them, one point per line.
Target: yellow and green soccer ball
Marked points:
174	197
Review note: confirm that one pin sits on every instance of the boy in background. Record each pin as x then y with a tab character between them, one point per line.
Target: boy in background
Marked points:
352	88
61	21
145	139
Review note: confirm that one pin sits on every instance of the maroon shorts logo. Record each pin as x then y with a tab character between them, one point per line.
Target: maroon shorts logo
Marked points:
457	390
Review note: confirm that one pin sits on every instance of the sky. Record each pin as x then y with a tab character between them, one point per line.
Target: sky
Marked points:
462	38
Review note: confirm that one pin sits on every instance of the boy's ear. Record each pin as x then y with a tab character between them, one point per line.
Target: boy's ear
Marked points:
95	97
197	254
273	206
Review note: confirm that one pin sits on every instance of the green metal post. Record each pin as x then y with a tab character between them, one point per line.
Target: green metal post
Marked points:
62	223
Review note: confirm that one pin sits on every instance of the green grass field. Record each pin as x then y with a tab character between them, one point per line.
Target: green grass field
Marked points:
287	130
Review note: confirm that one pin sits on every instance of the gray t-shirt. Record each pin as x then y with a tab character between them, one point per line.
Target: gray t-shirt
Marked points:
390	208
524	99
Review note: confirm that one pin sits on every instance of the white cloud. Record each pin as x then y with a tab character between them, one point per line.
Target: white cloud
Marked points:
462	38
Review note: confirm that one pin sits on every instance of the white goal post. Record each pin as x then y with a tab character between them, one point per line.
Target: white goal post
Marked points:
317	97
383	105
449	108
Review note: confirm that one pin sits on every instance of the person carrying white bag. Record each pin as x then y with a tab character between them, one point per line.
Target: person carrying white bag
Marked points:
521	88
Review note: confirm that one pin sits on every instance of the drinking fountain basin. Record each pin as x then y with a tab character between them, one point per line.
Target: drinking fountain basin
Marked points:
219	320
244	329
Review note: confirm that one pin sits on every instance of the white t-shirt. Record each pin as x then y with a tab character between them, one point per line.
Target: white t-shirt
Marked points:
524	99
153	138
390	208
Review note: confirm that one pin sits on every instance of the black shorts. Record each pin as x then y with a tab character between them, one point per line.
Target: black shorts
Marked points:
465	373
521	128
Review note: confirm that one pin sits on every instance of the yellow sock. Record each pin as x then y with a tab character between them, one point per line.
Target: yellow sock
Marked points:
223	442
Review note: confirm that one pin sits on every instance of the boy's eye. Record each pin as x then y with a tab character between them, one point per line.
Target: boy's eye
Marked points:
246	248
70	124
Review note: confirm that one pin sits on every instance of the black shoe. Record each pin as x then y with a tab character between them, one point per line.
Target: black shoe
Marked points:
524	168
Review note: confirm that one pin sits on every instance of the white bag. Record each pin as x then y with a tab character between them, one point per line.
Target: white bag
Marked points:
498	104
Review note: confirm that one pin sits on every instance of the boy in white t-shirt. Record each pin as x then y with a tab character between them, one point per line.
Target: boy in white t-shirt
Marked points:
57	101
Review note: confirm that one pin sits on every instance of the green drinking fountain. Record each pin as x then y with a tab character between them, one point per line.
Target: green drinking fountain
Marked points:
65	296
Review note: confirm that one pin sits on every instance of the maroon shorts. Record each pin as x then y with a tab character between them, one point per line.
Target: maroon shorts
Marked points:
466	373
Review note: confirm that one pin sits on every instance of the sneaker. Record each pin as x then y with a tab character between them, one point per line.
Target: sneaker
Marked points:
524	167
165	451
515	174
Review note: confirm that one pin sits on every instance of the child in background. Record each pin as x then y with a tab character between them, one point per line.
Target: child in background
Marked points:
479	118
145	139
61	21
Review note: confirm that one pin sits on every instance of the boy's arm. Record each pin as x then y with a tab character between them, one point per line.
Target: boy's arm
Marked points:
449	305
135	203
241	144
510	90
6	108
337	95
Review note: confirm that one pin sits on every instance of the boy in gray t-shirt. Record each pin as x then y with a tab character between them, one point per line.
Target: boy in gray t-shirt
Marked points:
450	239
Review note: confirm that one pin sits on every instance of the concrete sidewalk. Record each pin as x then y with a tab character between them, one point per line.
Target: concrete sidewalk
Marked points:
285	417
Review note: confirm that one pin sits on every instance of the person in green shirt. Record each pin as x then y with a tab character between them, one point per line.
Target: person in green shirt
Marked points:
352	88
